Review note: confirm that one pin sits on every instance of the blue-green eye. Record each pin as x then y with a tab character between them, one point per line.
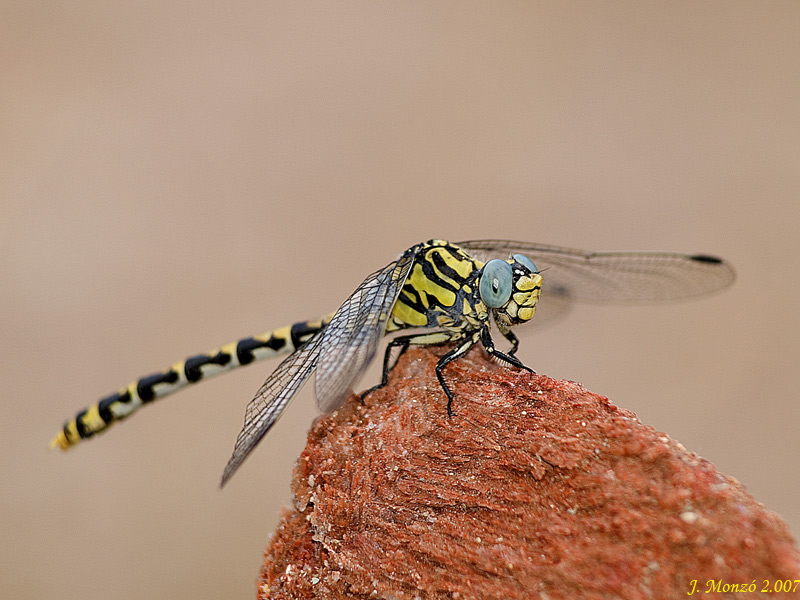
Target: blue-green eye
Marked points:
496	283
525	261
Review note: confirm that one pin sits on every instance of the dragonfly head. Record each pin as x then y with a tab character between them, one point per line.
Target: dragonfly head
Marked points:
510	288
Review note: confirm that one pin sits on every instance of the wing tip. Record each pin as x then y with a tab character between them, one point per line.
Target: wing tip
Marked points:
230	469
720	265
707	258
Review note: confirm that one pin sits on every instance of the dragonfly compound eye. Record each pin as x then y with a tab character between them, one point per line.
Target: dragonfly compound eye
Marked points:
525	262
496	283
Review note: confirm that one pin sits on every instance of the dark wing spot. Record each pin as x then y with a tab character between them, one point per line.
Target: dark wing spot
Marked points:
705	258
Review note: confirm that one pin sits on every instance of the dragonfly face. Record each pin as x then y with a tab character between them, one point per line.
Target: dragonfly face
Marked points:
510	288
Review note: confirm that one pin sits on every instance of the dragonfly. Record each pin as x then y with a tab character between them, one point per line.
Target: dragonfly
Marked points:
434	293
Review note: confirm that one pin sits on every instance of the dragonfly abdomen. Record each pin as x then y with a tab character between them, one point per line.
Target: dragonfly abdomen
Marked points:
117	406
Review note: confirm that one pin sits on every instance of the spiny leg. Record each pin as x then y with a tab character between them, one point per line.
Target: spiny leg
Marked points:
404	341
443	337
448	358
386	368
511	337
488	343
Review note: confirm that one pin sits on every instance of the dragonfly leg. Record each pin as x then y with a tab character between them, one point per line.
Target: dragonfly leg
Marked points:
511	337
448	358
403	342
488	343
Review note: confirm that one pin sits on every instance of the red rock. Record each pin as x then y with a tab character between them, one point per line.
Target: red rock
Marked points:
535	488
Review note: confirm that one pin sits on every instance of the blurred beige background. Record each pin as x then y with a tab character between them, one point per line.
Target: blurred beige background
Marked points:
174	175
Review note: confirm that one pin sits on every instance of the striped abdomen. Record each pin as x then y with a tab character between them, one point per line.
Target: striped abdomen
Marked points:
115	407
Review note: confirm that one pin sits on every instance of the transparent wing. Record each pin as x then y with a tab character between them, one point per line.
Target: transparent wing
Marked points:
351	338
608	277
268	404
340	353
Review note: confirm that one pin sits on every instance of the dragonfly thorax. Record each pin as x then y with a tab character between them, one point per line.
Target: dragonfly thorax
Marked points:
440	291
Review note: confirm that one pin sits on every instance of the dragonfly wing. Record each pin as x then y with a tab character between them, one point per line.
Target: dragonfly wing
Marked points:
351	338
609	277
268	404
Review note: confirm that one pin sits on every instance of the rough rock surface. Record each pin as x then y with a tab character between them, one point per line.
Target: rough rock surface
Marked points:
536	488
